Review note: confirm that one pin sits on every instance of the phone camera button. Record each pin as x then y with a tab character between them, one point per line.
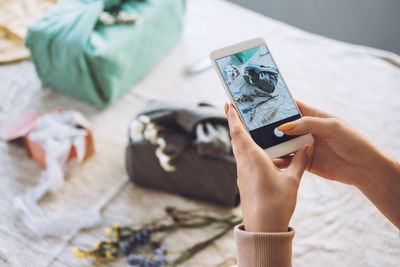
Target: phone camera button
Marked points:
278	133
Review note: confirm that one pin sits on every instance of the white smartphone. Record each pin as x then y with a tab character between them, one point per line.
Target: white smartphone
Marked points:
256	88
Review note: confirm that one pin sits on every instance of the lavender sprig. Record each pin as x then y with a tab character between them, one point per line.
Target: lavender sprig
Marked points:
128	240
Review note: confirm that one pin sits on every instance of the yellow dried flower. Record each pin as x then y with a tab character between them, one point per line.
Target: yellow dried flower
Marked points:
116	225
108	231
98	244
109	255
80	253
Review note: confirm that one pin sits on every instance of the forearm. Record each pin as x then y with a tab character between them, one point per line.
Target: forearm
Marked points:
380	183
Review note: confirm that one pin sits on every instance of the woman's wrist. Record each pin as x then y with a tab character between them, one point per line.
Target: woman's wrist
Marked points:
376	172
382	187
267	218
265	225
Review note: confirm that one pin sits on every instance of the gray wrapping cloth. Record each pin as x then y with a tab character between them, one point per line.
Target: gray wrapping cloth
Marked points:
261	76
183	149
173	128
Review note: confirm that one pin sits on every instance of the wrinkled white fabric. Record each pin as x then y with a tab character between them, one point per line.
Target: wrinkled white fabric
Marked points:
56	132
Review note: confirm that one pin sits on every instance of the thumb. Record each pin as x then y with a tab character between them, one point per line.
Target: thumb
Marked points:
241	139
300	160
324	127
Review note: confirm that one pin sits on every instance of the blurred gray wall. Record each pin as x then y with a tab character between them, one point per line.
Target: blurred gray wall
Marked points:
374	23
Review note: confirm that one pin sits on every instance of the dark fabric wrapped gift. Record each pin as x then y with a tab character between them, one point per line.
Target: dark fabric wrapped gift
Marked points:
184	150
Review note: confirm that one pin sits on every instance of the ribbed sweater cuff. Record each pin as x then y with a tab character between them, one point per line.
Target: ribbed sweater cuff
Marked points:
263	249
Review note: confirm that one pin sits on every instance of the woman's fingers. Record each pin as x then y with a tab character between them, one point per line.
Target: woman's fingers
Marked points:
325	127
282	163
307	110
300	161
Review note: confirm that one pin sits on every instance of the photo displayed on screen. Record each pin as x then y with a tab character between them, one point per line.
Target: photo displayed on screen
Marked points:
257	87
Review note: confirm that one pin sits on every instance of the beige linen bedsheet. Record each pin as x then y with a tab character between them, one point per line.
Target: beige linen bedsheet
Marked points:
335	224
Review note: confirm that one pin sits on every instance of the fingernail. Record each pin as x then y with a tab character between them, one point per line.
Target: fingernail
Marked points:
226	108
309	151
286	126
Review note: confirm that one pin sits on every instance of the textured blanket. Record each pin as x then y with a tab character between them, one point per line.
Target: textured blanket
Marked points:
335	224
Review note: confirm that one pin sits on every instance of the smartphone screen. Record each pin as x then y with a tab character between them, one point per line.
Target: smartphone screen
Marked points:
260	94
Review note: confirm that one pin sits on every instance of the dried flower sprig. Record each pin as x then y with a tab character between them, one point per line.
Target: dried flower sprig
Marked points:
128	240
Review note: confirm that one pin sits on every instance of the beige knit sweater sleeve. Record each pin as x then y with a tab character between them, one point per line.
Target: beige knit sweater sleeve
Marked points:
263	249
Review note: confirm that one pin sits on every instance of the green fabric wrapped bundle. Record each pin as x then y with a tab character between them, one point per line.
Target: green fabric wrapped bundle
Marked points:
74	52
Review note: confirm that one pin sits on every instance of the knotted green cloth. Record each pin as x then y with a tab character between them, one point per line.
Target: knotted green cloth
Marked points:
74	52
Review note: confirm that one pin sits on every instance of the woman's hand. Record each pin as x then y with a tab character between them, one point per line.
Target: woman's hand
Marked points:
342	154
268	194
